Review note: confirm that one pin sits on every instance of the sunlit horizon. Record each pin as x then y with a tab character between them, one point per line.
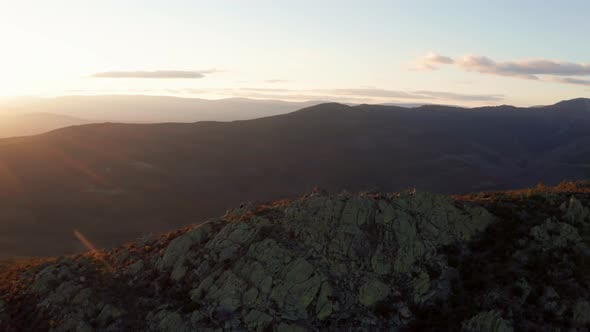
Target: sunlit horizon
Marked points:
371	52
17	100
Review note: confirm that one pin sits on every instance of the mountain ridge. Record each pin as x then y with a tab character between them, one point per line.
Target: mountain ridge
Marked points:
335	106
116	181
64	111
496	261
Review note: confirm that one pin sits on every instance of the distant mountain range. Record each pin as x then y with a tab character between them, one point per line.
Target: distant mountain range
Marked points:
29	116
35	123
113	182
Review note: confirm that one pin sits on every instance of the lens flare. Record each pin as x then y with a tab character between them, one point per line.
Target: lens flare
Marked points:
95	252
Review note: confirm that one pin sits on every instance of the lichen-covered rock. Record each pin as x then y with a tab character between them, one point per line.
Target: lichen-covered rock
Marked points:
50	277
524	288
61	295
405	261
555	234
108	314
421	287
439	223
3	315
577	213
284	327
489	321
74	324
169	321
372	292
380	262
257	320
225	294
296	289
581	312
324	305
178	248
135	268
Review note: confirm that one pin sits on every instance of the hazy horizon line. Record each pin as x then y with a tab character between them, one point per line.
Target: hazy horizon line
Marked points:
319	101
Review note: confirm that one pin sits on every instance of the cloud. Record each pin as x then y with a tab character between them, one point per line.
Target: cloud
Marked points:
432	61
372	92
533	69
351	95
195	91
276	80
529	69
414	95
569	80
155	74
300	96
460	96
363	94
265	89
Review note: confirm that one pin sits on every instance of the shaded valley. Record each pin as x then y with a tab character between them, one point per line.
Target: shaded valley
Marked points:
115	182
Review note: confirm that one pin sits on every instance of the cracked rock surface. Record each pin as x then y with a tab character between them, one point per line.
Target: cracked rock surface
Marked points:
404	261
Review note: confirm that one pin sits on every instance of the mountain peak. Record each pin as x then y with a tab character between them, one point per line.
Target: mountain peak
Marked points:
323	109
327	106
577	103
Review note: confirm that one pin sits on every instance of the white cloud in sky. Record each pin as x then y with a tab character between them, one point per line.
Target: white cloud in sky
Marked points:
532	69
191	74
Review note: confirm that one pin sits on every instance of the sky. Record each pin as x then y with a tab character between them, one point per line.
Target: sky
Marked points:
453	52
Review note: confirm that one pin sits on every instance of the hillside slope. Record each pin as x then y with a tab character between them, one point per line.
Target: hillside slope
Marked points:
114	182
500	261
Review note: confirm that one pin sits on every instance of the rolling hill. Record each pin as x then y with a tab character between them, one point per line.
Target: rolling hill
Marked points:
114	182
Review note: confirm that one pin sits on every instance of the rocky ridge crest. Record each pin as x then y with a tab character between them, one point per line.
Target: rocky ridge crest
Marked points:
405	261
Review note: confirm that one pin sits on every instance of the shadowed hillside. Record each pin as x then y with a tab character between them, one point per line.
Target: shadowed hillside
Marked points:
113	182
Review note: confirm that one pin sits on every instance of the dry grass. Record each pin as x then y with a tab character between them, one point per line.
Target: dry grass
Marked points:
563	188
12	274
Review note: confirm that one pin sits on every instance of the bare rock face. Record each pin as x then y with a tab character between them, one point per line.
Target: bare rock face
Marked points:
328	258
322	262
581	311
3	315
577	213
555	234
489	321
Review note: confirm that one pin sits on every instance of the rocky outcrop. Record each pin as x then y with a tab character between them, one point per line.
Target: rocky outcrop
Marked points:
3	315
410	260
575	212
581	312
554	234
489	321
